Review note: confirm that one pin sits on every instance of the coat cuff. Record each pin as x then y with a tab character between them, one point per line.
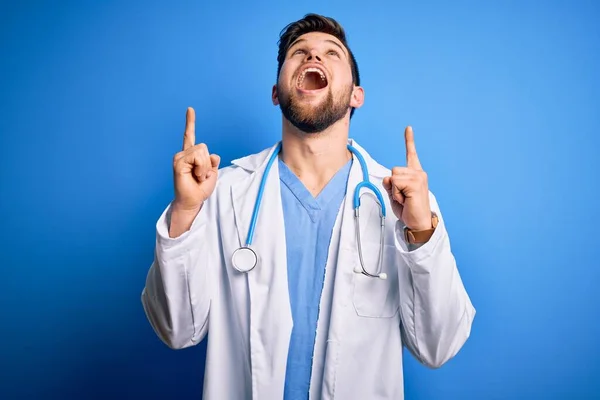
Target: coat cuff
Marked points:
162	229
415	255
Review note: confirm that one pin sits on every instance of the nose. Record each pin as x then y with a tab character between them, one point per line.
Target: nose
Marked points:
312	54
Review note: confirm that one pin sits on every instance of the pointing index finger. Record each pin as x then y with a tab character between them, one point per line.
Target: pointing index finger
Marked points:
189	137
412	160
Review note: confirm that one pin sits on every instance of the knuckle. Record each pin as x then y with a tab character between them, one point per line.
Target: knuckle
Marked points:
200	150
177	159
202	147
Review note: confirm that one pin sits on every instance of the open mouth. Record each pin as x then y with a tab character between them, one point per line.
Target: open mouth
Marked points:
312	79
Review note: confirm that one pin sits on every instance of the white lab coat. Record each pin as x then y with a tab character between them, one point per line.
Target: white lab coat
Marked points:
192	289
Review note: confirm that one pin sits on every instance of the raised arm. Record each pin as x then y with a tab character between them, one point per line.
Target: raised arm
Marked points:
181	282
436	311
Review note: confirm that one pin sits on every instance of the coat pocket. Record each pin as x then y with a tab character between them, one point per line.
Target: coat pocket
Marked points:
375	297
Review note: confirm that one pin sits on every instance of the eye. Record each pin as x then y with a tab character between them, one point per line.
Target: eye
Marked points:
333	53
298	51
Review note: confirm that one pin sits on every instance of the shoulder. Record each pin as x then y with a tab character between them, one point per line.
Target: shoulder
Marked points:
374	168
243	167
230	175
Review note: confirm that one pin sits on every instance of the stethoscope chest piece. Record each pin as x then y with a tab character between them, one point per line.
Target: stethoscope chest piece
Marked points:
244	259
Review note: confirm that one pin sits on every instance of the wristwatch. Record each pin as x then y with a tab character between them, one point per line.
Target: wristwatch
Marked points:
415	237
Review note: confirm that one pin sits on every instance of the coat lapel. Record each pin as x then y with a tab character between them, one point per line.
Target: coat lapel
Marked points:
346	251
331	326
270	312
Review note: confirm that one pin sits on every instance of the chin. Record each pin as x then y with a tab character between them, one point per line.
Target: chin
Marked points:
311	107
313	111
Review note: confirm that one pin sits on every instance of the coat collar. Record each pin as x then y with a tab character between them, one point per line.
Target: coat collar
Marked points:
257	161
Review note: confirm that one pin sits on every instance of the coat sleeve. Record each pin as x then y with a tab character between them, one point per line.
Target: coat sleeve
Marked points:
181	281
435	308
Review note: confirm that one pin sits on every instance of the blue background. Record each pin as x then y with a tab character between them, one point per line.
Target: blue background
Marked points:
504	100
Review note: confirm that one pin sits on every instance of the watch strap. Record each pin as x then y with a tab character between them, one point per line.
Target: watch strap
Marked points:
415	237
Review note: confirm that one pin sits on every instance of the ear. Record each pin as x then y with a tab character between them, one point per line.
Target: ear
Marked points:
274	96
358	97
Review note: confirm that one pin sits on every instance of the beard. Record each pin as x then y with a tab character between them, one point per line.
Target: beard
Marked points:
310	118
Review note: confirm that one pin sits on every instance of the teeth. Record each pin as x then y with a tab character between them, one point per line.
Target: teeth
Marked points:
312	69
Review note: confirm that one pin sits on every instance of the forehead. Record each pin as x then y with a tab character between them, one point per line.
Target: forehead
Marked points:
315	38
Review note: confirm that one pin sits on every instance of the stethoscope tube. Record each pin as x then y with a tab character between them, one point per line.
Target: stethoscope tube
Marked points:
261	190
245	259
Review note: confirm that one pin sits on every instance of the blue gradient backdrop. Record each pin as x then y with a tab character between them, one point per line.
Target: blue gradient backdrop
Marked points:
504	100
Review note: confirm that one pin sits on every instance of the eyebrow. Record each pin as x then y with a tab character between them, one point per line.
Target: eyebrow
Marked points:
327	40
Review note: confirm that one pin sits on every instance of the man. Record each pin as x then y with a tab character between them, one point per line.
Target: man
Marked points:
318	315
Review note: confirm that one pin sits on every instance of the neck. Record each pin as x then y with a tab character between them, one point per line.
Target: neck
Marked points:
315	158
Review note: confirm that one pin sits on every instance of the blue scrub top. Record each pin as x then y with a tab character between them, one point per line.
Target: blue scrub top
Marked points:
309	224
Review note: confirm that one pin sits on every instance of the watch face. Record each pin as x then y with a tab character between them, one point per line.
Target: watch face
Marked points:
434	219
408	236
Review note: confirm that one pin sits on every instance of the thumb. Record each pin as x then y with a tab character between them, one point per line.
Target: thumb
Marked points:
215	160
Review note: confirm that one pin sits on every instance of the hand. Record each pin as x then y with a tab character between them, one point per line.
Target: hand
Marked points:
195	170
408	189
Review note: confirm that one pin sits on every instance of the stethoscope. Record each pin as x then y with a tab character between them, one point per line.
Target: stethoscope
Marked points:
245	259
